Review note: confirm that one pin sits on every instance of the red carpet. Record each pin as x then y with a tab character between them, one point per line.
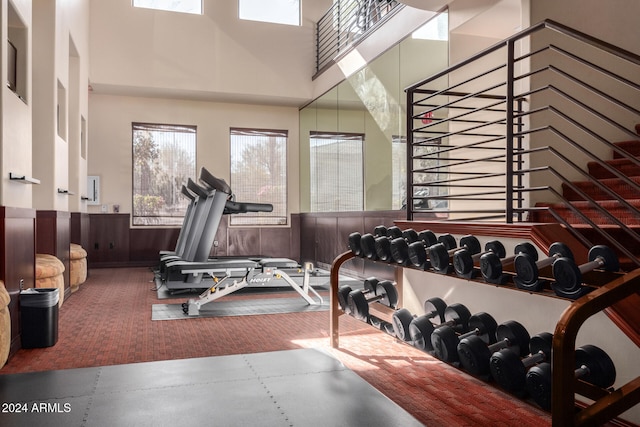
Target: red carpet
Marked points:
108	321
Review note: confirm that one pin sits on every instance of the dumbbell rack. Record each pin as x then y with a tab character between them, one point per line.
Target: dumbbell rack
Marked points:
607	404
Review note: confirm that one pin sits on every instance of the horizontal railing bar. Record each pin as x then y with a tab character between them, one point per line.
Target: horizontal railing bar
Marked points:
471	111
593	90
454	93
466	131
451	107
592	110
466	97
595	67
437	183
488	211
448	148
476	218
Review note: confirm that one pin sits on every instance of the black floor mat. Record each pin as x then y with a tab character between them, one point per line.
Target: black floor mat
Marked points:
250	307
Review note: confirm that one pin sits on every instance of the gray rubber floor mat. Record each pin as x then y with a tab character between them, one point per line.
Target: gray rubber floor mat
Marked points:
250	307
305	387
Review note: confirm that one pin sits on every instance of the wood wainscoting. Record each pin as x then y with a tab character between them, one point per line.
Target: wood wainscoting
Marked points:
17	262
114	243
53	236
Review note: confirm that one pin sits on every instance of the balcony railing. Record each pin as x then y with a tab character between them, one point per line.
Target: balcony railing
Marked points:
347	22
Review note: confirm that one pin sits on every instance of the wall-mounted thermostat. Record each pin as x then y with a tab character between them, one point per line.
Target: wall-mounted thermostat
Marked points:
93	190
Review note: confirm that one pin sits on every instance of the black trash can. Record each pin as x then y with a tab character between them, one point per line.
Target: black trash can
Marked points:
39	317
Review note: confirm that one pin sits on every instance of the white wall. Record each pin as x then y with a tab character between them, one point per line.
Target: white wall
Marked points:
215	56
56	154
111	138
614	21
15	137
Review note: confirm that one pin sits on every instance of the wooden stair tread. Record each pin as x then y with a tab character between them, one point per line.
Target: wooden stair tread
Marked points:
616	185
583	203
631	146
624	166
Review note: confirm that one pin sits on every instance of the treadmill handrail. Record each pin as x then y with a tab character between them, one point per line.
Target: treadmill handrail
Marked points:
232	207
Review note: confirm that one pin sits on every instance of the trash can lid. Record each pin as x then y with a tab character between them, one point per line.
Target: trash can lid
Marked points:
39	297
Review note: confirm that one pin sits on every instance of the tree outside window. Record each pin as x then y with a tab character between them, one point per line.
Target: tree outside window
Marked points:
164	157
259	174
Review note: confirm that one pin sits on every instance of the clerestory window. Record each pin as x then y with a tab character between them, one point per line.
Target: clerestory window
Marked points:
274	11
184	6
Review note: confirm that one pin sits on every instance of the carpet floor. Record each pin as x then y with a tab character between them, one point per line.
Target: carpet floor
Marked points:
108	322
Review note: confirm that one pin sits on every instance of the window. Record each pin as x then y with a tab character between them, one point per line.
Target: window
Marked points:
435	29
164	157
259	174
274	11
398	171
337	182
185	6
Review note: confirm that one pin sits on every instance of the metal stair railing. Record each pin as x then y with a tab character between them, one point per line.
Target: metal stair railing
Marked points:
493	137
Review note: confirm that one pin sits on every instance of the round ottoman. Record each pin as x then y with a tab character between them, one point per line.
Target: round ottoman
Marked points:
49	271
5	324
77	266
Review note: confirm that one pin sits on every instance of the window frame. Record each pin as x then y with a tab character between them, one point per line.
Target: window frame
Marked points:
337	136
178	219
279	220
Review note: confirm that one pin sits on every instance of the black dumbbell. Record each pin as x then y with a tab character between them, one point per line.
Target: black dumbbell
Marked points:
383	325
568	275
464	261
527	268
445	340
344	291
491	265
510	372
354	243
440	256
382	244
455	315
403	318
400	246
367	242
474	353
417	251
593	365
386	294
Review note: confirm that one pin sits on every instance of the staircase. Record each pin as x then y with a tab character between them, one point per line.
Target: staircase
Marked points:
508	128
604	200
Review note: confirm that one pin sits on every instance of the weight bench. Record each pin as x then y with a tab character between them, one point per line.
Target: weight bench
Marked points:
227	280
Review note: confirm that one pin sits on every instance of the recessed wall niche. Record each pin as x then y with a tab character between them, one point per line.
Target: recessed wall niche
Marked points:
62	111
17	54
83	137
